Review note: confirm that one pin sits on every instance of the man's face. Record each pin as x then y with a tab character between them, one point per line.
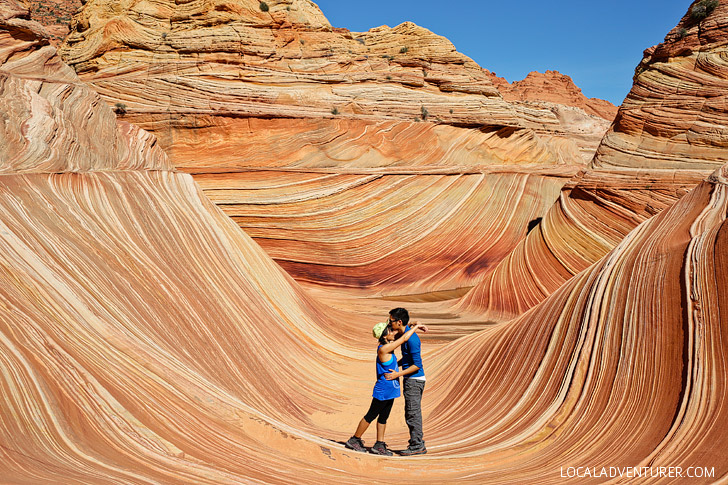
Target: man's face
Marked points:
396	325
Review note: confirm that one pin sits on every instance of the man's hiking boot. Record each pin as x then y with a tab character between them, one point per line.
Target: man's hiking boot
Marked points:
355	444
413	451
380	448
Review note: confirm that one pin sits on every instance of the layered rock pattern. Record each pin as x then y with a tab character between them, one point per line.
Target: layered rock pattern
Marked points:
145	339
629	351
553	87
674	116
453	226
666	138
229	90
53	122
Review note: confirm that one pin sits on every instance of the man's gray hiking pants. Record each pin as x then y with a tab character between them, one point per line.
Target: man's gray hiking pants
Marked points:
413	411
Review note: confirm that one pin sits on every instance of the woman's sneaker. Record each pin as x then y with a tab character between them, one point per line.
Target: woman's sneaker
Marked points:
355	444
380	448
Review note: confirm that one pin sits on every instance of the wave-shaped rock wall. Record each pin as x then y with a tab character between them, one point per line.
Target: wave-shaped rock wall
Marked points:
667	137
230	89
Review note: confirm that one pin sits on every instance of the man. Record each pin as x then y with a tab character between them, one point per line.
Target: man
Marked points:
413	374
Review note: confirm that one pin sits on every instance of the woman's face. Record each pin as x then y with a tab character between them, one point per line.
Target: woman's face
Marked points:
389	337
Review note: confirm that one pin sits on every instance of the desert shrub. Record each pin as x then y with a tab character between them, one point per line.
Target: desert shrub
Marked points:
264	7
120	109
702	9
361	40
681	33
424	113
403	50
389	78
334	111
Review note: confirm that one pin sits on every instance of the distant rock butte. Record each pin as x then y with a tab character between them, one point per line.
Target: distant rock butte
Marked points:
554	87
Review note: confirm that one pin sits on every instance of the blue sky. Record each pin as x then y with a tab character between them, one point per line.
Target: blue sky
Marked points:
598	44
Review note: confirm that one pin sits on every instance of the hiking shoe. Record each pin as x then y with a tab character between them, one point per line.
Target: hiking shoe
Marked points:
355	444
414	451
380	448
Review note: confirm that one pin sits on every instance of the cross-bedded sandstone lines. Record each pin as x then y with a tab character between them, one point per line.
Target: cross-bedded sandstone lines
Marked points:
231	89
668	136
144	338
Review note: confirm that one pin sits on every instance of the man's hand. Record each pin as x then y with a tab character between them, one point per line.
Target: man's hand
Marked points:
391	375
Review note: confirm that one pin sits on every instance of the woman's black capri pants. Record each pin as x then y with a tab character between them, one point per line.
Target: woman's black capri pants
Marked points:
379	408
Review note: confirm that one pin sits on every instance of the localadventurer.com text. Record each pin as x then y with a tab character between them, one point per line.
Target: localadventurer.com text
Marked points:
637	472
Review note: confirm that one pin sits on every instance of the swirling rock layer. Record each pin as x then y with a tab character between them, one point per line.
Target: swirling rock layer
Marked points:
230	89
144	338
55	123
667	136
454	226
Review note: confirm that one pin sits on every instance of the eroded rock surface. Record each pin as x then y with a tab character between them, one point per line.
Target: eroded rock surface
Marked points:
553	87
233	92
667	137
144	338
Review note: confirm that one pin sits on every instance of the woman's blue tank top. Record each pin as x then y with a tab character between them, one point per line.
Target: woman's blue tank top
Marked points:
385	389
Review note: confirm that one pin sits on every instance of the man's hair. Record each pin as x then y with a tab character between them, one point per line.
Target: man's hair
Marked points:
400	314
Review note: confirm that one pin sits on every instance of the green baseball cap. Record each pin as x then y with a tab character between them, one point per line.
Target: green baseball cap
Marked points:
378	329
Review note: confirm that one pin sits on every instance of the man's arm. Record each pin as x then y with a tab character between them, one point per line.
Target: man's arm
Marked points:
414	347
393	375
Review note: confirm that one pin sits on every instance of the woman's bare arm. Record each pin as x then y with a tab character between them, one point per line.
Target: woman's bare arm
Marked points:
389	348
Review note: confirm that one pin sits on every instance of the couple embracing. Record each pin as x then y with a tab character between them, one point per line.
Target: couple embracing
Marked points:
394	333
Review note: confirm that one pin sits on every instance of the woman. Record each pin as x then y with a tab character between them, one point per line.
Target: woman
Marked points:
385	391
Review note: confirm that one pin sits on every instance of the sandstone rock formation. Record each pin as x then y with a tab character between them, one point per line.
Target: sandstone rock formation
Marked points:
54	15
553	87
233	92
675	115
144	338
667	136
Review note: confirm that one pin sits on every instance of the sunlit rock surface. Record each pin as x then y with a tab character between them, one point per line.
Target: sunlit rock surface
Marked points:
666	138
405	133
553	87
144	338
675	115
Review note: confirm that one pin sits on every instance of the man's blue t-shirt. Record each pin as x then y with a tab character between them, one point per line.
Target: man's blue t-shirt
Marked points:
411	355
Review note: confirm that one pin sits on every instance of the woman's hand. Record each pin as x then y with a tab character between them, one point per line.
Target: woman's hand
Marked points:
420	326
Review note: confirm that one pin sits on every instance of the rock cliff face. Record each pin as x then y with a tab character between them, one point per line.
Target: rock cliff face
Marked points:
233	92
675	115
59	124
667	136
